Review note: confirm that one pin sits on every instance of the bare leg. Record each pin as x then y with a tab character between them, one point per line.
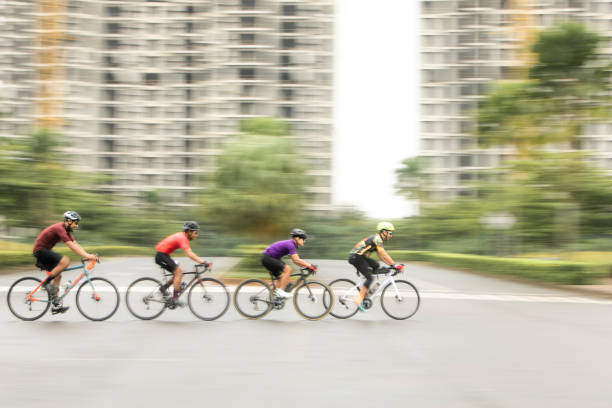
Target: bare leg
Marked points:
284	277
359	298
178	277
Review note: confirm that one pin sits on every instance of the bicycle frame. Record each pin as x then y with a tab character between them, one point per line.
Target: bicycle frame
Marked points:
86	270
303	277
388	279
195	278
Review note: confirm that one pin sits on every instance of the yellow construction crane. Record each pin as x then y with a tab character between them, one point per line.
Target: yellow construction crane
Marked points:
524	27
50	32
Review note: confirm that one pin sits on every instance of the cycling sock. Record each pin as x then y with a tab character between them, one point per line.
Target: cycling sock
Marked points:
175	296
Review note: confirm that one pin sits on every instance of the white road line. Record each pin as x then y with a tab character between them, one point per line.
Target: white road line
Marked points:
437	295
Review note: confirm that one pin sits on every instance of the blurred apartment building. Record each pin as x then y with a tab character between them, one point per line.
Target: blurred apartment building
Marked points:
150	91
466	44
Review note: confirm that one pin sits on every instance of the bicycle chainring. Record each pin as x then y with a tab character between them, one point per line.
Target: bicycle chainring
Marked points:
278	303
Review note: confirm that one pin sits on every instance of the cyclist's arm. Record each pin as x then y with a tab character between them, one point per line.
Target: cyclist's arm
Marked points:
193	256
384	256
299	262
76	248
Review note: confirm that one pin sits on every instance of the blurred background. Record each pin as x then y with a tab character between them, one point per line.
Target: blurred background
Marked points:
489	131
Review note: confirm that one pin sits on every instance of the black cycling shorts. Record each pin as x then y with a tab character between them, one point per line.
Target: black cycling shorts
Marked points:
275	266
365	265
165	262
47	259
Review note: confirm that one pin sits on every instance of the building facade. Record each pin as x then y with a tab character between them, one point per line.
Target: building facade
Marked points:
467	44
151	91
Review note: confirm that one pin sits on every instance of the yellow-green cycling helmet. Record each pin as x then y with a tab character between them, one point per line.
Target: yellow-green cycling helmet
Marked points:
385	226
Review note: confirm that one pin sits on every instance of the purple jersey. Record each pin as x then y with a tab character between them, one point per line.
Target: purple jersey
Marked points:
281	248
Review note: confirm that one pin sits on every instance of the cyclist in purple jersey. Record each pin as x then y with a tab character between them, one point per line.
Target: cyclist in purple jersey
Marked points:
271	260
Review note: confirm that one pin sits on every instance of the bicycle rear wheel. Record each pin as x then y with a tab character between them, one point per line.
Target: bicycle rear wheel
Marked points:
402	303
253	299
144	300
21	306
99	300
208	299
313	300
344	291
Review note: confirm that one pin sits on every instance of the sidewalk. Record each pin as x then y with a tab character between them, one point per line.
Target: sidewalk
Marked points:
602	289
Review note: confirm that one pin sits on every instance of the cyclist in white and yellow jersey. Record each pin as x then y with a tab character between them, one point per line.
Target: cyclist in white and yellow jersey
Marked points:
360	257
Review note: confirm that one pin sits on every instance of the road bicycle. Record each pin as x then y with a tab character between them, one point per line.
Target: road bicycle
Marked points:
208	298
255	298
399	298
97	298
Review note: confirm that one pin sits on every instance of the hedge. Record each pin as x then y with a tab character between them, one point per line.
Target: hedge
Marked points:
558	272
22	258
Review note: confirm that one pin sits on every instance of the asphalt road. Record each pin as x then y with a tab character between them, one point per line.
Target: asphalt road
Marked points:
475	342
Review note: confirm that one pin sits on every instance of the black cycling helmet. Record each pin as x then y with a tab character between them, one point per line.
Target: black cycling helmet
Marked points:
296	232
191	226
72	215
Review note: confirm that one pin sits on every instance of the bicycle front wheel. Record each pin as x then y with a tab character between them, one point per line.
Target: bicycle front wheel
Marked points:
144	299
97	299
344	291
208	299
24	302
400	302
253	299
313	300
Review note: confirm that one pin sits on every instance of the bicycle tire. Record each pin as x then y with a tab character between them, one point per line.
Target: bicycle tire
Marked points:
41	293
99	297
219	292
411	297
151	296
306	300
343	290
261	296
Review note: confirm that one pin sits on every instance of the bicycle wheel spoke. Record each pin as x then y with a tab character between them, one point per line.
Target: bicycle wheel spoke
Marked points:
98	299
208	299
400	301
144	300
313	300
26	306
252	299
344	291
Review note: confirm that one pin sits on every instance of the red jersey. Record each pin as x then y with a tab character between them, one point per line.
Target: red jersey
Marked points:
51	236
172	242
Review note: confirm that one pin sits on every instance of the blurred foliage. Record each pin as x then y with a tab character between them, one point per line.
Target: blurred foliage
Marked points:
259	186
567	87
550	200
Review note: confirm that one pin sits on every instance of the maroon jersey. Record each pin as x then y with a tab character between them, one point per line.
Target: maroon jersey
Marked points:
51	236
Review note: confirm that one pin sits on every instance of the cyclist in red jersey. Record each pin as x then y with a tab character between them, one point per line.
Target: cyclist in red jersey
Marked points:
52	261
166	246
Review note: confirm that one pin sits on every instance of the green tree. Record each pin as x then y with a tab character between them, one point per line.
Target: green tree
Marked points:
567	87
259	185
412	180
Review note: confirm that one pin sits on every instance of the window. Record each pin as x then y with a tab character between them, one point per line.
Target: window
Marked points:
246	108
113	11
247	38
286	60
286	111
288	43
247	73
247	4
248	21
112	44
285	76
287	94
289	10
288	27
465	161
151	78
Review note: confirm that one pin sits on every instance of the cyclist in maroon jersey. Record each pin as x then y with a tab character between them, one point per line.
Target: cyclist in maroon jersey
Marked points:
53	262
